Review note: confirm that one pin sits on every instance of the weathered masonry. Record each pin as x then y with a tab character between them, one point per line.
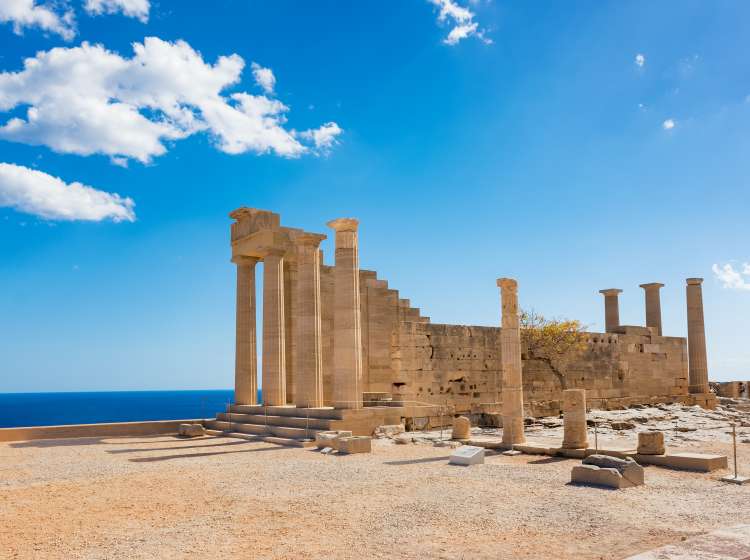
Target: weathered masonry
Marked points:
338	337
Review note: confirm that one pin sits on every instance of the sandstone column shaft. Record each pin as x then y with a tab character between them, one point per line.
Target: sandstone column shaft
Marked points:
574	419
611	308
274	351
246	357
697	363
653	305
308	391
347	334
510	347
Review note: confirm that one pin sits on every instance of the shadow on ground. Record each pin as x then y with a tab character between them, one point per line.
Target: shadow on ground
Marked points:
417	461
67	442
194	455
177	447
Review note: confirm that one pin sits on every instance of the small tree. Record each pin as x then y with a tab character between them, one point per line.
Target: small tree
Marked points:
556	342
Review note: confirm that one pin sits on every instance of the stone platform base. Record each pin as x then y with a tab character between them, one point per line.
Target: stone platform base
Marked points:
289	425
705	400
700	462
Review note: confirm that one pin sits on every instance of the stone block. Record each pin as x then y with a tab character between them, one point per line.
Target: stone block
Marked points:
355	444
330	438
603	470
651	443
467	455
591	474
628	468
191	430
461	428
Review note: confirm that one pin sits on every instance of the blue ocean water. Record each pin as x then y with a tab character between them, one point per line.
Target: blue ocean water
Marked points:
49	409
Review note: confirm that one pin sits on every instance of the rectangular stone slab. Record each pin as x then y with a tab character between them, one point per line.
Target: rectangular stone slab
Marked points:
355	444
467	455
700	462
590	474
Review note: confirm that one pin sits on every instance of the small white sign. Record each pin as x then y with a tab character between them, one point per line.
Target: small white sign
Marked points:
467	455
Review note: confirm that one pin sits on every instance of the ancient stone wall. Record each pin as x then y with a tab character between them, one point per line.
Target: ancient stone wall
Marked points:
634	366
420	362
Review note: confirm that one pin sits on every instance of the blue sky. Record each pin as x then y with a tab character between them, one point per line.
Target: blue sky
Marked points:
533	142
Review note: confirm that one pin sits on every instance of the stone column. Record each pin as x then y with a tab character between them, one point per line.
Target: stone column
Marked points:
611	308
653	305
347	334
246	350
697	363
274	350
574	419
308	383
510	348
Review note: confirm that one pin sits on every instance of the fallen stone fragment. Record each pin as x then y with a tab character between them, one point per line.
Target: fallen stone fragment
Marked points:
330	438
191	430
631	471
389	430
355	444
451	444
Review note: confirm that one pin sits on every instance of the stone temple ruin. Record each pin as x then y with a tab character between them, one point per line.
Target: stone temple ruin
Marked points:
343	350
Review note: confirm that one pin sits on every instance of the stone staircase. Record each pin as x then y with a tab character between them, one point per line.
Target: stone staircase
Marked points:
379	288
289	425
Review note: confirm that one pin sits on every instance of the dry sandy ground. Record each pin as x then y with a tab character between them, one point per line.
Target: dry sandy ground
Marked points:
161	497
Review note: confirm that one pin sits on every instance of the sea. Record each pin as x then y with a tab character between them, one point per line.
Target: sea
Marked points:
54	409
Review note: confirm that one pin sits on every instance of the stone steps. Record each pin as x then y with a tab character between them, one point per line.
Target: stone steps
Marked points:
403	306
289	442
263	430
325	413
287	421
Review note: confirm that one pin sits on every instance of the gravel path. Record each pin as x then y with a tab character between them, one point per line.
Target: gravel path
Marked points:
161	497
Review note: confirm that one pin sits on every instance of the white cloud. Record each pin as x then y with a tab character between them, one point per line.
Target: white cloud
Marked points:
640	60
29	13
264	77
733	279
38	193
669	124
89	100
324	137
462	20
138	9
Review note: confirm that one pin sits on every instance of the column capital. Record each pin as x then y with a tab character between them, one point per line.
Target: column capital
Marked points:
273	252
507	283
243	260
309	239
651	286
344	224
694	281
611	291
